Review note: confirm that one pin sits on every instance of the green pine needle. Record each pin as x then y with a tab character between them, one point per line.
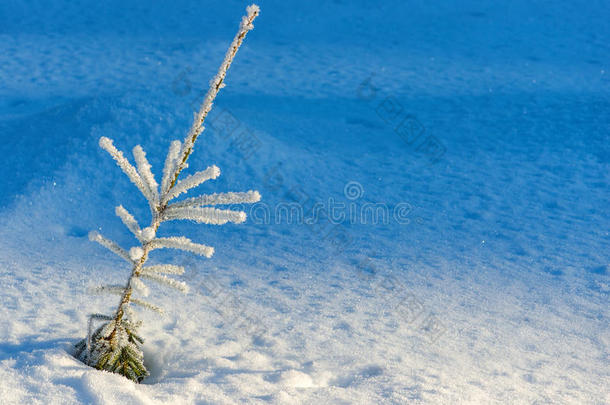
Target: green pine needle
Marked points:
119	352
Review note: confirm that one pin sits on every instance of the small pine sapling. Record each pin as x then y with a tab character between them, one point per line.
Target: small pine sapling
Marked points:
115	345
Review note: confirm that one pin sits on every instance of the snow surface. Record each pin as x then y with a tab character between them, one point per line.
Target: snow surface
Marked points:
490	285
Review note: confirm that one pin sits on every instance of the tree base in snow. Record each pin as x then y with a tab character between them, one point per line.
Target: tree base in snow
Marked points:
115	349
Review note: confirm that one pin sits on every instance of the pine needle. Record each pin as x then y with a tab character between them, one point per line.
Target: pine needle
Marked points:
218	199
205	215
147	305
180	242
129	221
192	181
163	269
144	170
95	236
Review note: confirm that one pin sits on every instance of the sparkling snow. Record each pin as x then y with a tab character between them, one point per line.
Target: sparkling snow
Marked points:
484	280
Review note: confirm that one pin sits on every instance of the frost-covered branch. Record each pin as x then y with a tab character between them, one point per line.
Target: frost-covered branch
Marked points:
92	317
178	285
205	215
129	221
144	170
216	84
170	166
218	199
180	242
95	236
190	182
163	269
123	163
147	305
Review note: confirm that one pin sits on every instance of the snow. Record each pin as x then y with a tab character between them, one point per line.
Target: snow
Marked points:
484	280
148	234
135	253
